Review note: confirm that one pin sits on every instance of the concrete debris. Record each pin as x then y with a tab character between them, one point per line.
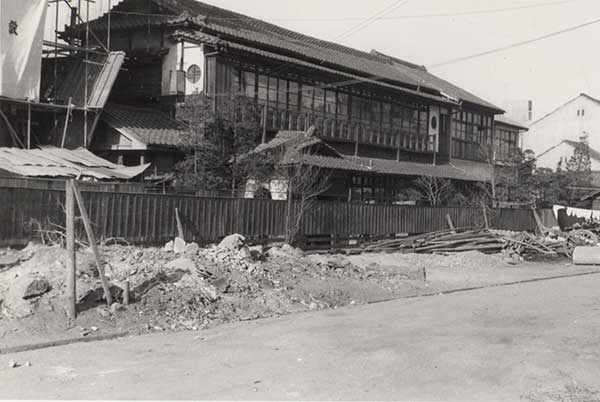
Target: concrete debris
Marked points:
27	363
116	307
169	246
182	263
206	286
257	253
192	248
222	284
13	364
179	245
36	288
232	242
103	311
285	252
208	291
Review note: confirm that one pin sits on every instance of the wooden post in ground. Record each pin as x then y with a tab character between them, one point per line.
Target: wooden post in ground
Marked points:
485	217
180	231
92	240
450	224
126	293
71	265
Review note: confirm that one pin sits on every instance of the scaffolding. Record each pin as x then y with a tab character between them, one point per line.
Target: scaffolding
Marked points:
59	49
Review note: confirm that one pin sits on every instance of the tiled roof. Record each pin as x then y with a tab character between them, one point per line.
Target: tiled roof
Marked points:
300	144
295	143
506	121
202	37
252	32
148	126
457	171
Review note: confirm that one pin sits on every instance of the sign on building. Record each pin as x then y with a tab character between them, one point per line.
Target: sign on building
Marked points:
21	35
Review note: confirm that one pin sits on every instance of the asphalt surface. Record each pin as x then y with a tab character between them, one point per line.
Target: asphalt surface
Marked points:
504	343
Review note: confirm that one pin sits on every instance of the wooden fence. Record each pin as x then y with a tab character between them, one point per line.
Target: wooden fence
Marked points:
150	218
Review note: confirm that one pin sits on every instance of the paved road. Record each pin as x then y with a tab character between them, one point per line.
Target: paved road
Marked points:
492	344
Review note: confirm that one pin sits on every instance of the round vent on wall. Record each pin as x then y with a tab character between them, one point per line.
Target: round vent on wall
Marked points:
434	123
194	73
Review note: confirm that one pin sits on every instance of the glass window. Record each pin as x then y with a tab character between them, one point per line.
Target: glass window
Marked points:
376	112
424	123
366	109
283	93
263	86
330	102
307	97
249	82
236	84
387	113
319	102
293	95
397	115
356	107
343	104
273	90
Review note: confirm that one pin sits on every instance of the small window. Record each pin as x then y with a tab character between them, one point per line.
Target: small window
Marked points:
583	112
194	73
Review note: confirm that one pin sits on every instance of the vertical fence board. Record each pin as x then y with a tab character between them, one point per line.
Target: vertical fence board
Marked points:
151	217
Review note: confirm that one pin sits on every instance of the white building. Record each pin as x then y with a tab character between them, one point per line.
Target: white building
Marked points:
553	137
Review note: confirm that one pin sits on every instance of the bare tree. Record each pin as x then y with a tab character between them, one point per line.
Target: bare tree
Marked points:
304	184
436	190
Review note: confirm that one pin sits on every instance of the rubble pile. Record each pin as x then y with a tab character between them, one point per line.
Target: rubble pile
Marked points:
182	286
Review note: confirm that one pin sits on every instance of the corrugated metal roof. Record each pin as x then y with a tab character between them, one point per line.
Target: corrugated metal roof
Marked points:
58	162
255	34
148	126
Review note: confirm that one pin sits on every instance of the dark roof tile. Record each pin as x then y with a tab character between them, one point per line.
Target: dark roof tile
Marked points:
246	30
149	126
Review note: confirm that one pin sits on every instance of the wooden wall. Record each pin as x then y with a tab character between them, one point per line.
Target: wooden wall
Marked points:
150	218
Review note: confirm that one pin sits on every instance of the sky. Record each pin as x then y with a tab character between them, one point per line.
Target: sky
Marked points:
429	32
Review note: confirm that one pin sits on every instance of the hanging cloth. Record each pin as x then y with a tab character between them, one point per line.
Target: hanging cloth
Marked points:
21	37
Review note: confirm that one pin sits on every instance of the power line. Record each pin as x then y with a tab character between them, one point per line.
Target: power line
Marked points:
388	10
392	7
383	18
514	45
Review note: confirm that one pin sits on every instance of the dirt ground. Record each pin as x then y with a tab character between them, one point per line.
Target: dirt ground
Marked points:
535	342
198	288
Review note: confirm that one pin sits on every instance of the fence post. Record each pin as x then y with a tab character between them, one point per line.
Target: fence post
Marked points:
71	264
92	239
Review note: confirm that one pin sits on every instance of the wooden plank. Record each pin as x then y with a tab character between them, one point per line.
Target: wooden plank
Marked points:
92	241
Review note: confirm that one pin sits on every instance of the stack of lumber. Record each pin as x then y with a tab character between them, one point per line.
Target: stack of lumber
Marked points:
485	241
444	241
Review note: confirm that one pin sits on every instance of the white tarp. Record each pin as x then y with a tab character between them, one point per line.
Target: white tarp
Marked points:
21	36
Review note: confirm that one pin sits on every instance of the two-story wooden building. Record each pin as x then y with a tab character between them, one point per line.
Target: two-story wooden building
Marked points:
391	120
